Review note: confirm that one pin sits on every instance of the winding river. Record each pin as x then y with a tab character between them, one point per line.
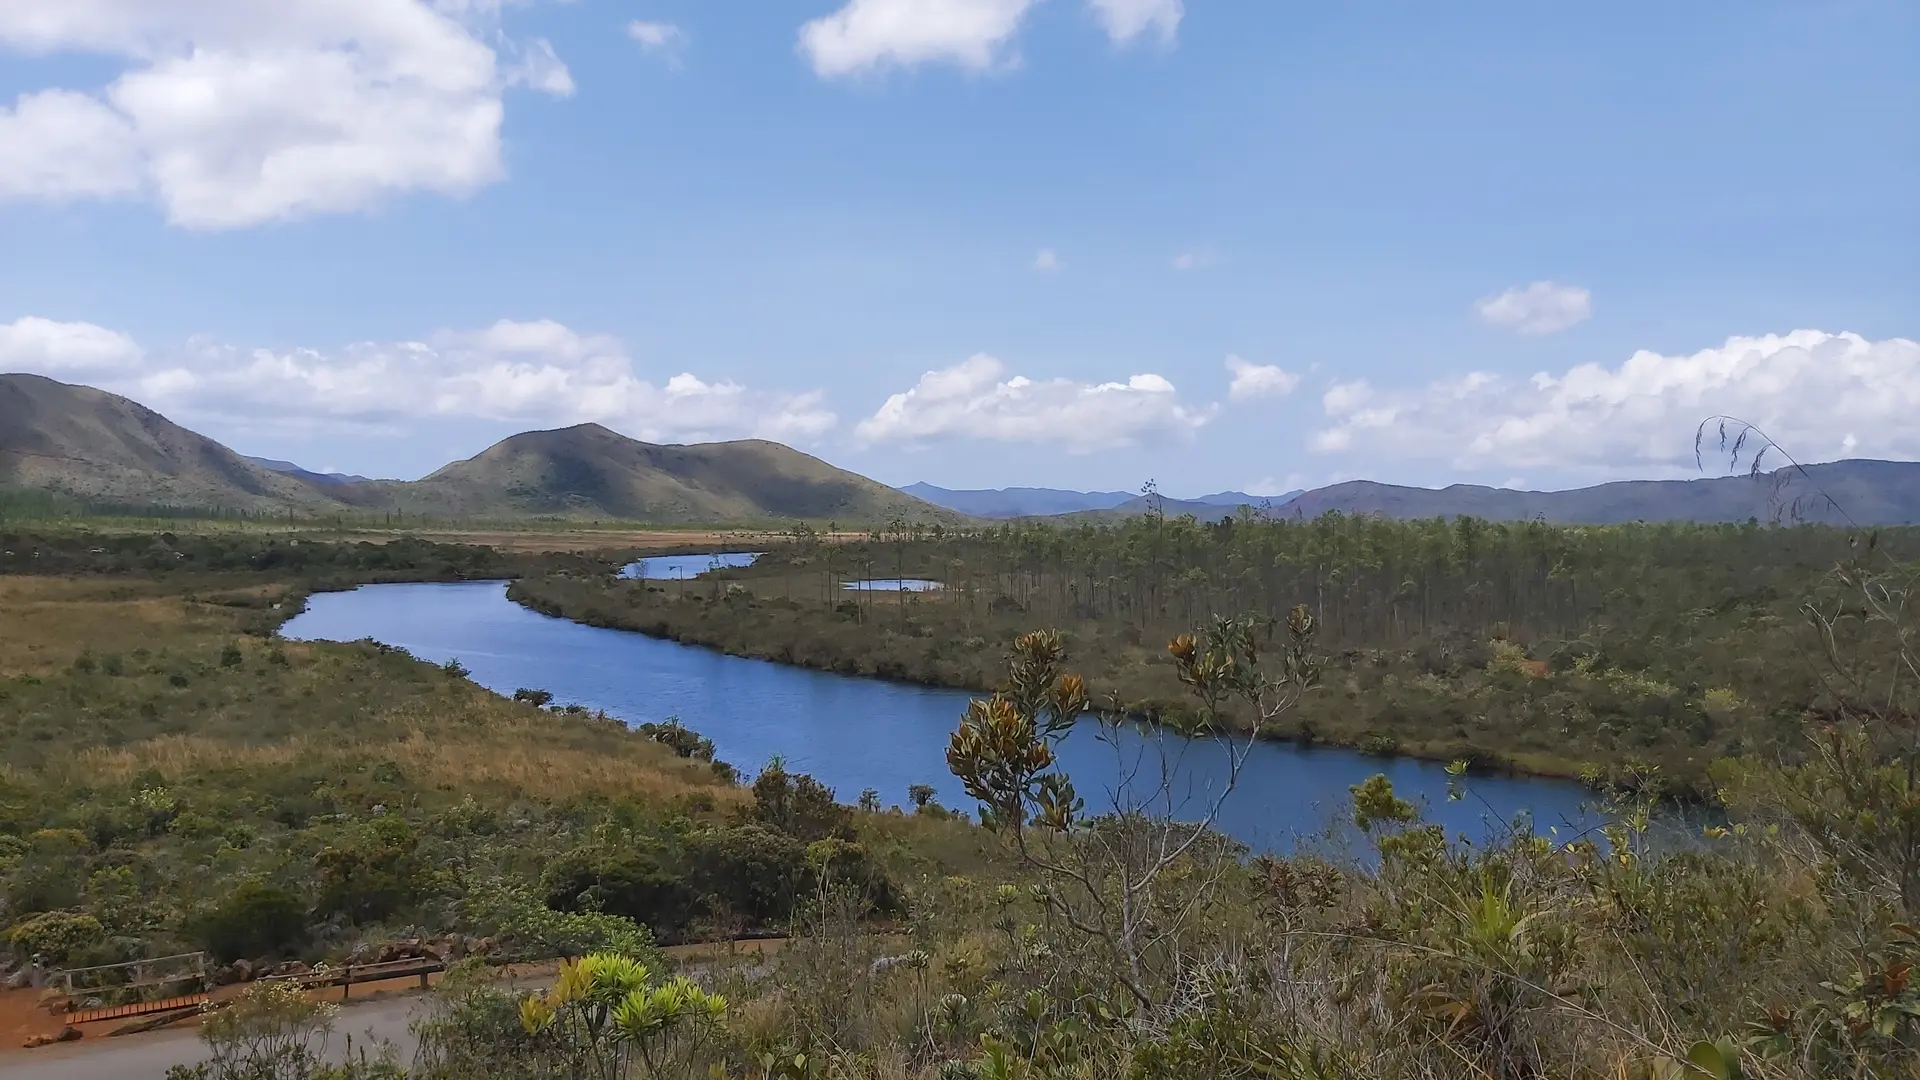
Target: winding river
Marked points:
855	733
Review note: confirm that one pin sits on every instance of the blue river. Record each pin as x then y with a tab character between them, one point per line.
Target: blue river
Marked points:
856	733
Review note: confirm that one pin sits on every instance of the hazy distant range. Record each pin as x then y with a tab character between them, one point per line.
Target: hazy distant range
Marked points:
1019	502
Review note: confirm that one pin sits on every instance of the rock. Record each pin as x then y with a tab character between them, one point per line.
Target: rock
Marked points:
243	971
291	967
19	980
67	1034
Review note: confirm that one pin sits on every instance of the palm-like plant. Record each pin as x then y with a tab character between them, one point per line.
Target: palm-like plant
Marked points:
605	1013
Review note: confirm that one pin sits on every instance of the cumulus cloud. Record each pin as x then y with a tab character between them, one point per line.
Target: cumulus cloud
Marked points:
976	399
539	373
659	38
1125	20
233	112
1048	261
1540	308
867	35
1258	380
1821	395
46	347
975	35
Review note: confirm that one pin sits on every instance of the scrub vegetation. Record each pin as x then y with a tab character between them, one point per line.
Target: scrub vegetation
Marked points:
1597	651
177	777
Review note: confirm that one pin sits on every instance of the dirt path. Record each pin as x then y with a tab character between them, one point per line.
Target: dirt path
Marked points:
375	1013
149	1056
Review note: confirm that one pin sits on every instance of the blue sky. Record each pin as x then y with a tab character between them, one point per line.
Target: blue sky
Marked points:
978	242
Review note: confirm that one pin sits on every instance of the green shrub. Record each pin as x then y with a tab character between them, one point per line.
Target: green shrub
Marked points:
749	870
256	919
373	872
55	936
620	881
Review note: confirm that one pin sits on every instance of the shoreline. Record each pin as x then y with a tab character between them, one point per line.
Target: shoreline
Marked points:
659	630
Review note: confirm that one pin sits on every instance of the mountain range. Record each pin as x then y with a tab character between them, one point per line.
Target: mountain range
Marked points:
103	449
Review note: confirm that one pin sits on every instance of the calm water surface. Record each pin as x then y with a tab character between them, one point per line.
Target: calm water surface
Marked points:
854	733
668	567
905	584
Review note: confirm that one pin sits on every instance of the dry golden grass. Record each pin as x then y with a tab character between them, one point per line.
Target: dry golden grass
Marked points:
456	738
584	539
520	761
45	622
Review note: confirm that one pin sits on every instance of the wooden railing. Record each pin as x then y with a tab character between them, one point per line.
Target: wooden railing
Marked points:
147	980
347	975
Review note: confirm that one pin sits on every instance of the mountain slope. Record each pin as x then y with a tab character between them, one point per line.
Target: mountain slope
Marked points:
588	470
89	444
1871	493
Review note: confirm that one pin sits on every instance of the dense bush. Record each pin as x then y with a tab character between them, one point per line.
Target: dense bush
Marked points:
55	936
373	871
253	921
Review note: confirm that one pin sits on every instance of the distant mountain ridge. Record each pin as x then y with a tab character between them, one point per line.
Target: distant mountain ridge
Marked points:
89	444
1018	502
1860	491
291	469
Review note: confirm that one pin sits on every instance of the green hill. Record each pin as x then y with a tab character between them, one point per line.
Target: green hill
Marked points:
99	447
590	471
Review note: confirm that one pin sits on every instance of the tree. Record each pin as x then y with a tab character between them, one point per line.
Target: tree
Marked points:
1107	878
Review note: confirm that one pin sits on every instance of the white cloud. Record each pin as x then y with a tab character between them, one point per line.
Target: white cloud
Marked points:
974	399
659	38
868	35
1820	395
1047	261
46	347
1540	308
1192	260
1268	488
976	35
236	112
533	373
61	145
1125	20
1258	380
